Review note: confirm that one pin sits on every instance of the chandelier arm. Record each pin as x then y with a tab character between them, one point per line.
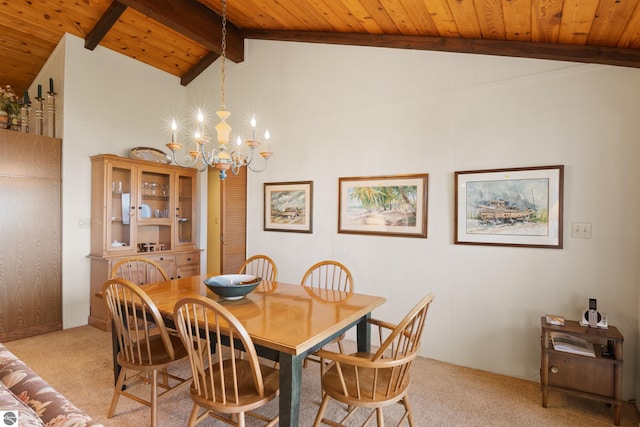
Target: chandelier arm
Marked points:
258	170
208	157
189	161
250	159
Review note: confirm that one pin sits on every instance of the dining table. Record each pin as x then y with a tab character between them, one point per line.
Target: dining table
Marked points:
286	323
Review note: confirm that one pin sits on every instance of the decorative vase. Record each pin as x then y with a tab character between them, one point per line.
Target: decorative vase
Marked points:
14	121
4	120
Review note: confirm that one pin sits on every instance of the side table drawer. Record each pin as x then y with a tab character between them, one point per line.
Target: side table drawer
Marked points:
580	373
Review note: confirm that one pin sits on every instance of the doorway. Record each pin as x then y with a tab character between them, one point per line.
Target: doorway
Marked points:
227	222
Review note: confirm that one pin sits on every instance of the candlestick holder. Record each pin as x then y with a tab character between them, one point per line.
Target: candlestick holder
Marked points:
51	114
25	112
39	116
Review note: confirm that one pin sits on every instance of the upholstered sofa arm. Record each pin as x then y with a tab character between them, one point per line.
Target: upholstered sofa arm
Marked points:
51	407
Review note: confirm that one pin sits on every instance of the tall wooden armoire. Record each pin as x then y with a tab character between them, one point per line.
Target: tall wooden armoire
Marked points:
30	235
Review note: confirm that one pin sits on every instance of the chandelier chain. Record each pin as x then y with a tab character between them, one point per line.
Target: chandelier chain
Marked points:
224	49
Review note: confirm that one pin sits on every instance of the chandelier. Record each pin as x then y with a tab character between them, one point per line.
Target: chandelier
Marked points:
219	158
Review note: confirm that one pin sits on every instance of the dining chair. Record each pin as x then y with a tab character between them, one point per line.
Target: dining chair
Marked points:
322	279
146	348
139	270
261	266
225	386
376	380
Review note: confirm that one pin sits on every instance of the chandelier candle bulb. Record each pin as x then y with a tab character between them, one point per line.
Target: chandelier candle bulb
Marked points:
200	132
253	127
50	85
40	91
174	126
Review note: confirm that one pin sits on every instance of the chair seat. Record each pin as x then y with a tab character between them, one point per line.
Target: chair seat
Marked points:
159	355
332	384
248	398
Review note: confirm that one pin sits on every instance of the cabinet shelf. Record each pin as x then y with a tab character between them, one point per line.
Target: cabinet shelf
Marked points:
597	349
154	197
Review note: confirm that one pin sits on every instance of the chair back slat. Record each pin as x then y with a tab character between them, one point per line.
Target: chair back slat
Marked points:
328	276
405	338
261	266
134	315
139	270
206	326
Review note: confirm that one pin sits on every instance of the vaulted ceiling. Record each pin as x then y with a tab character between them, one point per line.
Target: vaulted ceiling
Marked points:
183	37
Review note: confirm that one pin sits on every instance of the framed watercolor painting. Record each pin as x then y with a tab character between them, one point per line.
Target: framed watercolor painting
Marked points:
510	207
383	205
288	206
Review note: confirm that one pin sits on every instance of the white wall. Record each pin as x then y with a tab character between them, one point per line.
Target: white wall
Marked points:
347	111
108	103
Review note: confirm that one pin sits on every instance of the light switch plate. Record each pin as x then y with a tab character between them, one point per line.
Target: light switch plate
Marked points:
581	230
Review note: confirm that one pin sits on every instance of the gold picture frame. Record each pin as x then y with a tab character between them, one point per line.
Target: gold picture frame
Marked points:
394	205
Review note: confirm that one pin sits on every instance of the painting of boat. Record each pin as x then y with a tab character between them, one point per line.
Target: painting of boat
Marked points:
501	211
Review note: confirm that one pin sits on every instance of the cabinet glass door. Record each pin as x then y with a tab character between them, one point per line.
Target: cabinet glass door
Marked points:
119	223
154	210
185	211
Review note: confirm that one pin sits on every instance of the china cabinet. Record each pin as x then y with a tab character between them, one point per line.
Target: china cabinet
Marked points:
140	208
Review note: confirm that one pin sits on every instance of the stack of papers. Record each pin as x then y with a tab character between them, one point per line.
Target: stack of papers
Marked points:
572	344
554	319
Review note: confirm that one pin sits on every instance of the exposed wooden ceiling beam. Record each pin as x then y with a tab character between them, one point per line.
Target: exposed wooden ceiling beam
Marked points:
104	24
553	51
195	71
195	21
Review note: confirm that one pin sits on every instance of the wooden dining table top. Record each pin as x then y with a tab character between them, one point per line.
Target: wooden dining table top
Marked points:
288	318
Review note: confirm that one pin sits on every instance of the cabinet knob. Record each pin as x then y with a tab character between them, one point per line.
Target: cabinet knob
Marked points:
554	370
161	258
189	259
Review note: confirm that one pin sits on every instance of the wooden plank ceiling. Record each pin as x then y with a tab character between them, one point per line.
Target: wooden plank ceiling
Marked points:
182	37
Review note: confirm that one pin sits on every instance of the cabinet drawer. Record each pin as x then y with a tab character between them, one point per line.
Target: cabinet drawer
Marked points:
167	262
187	271
590	375
188	259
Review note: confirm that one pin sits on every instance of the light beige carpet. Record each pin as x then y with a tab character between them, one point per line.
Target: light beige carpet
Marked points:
78	363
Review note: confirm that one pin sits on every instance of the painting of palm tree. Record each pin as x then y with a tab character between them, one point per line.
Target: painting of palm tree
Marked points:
395	205
385	204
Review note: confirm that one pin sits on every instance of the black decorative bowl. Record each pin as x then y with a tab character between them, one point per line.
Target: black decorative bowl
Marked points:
232	286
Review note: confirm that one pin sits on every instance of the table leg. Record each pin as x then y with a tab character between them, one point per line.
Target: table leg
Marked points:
364	334
115	347
290	389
